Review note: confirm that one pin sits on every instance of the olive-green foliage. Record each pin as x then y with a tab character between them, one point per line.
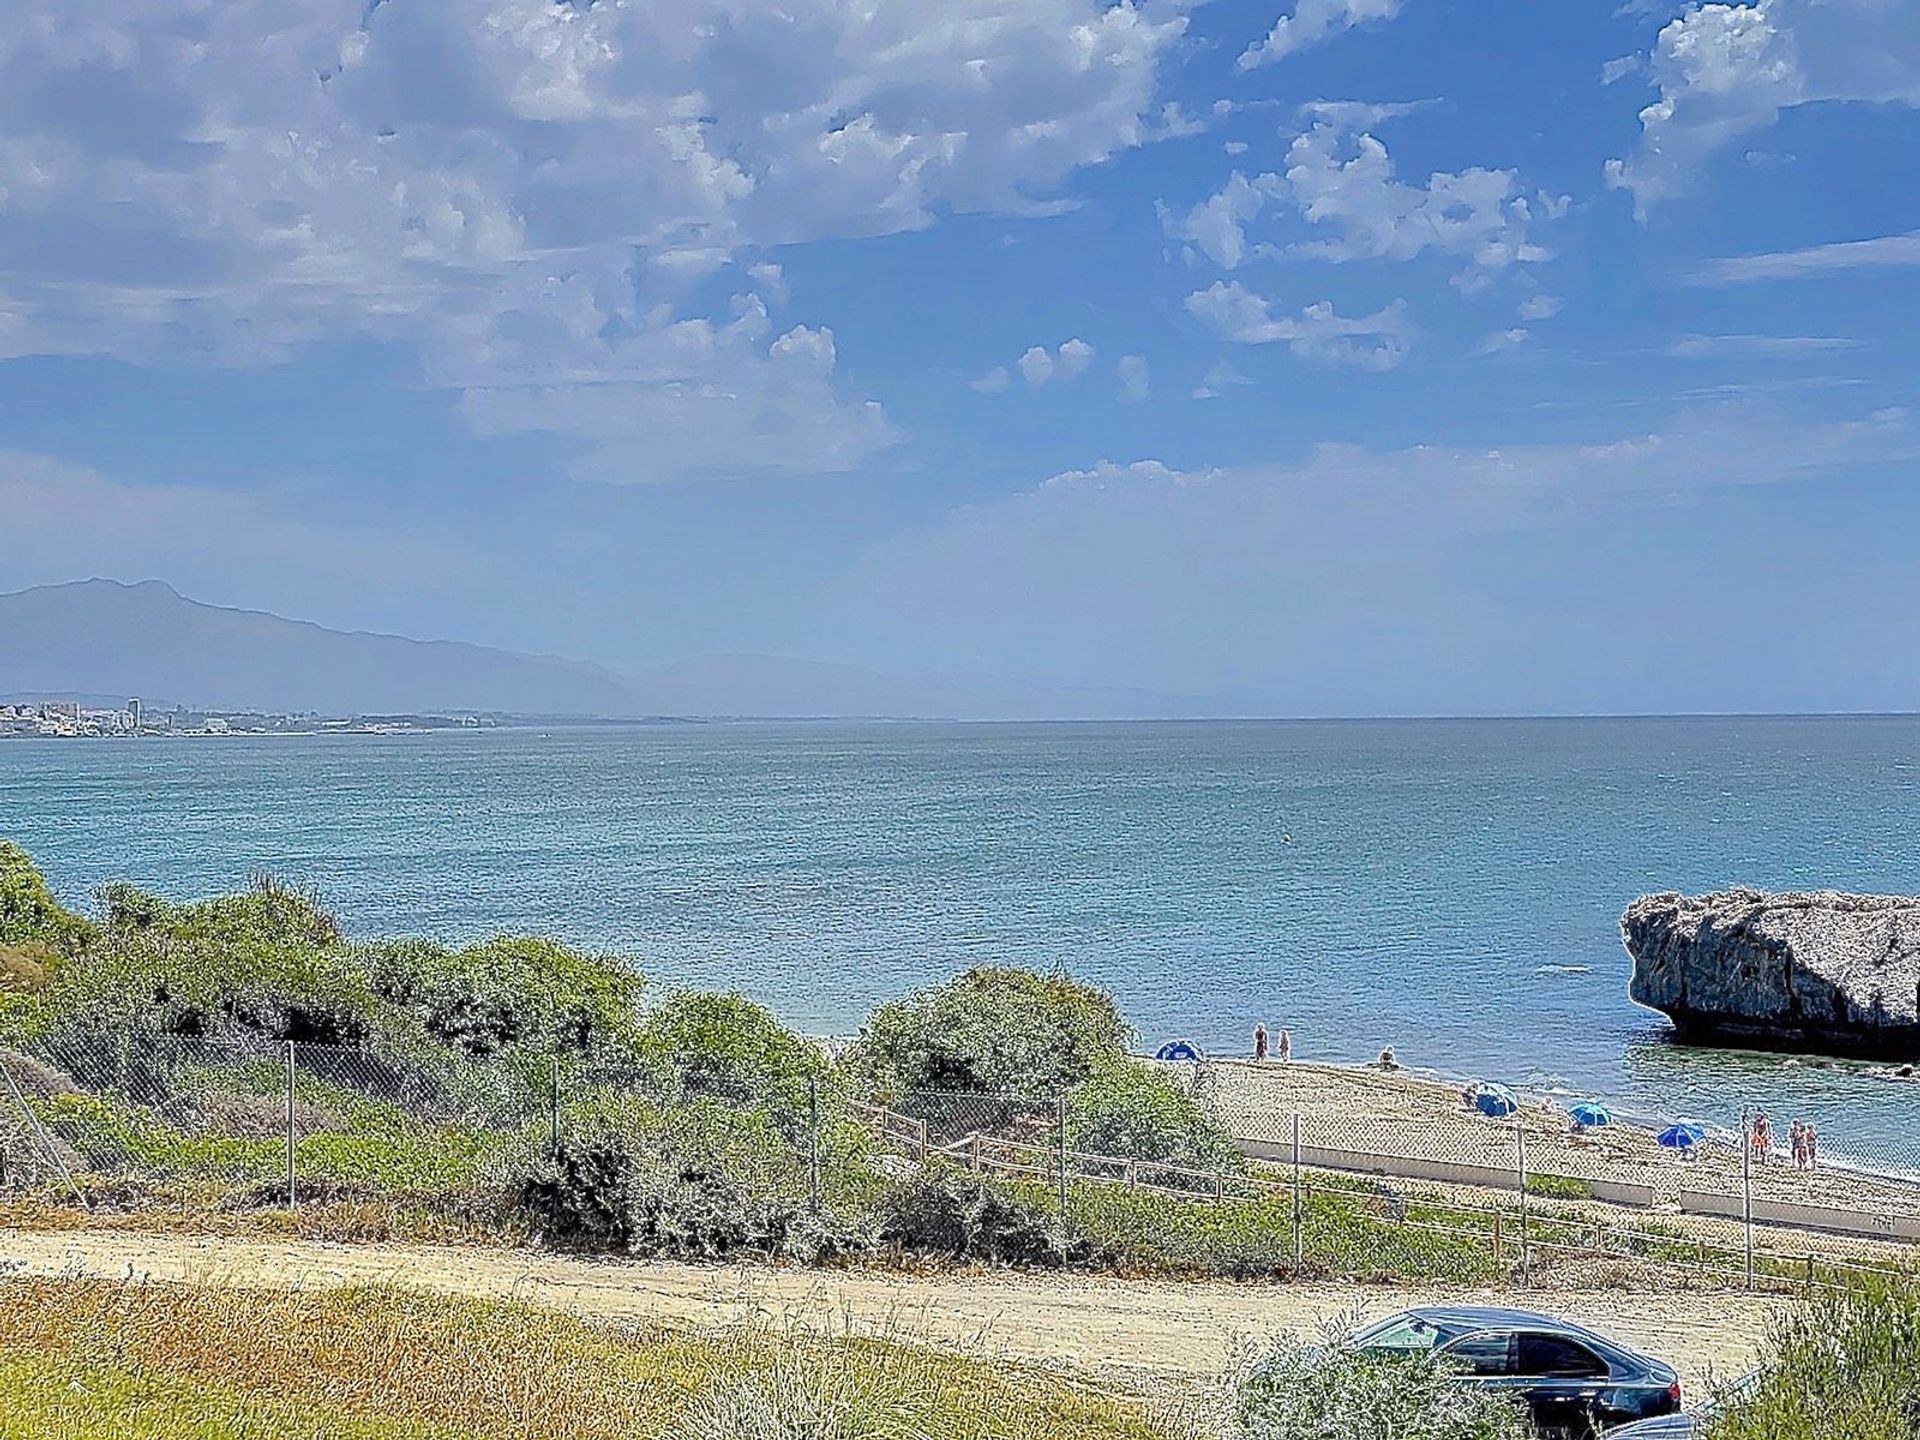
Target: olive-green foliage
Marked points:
270	964
695	1181
726	1048
1845	1368
507	992
1252	1238
1128	1109
1325	1389
994	1031
28	912
943	1212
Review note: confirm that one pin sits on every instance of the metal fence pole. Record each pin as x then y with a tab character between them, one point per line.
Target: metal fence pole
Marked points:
1060	1117
1526	1258
813	1145
1746	1187
292	1136
553	1108
1299	1239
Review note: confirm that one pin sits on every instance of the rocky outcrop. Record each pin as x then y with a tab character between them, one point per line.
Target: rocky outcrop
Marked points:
1825	972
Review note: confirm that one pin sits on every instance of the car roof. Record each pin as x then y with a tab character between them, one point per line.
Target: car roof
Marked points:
1462	1320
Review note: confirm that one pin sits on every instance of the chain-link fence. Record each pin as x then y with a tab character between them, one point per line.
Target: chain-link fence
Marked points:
1366	1182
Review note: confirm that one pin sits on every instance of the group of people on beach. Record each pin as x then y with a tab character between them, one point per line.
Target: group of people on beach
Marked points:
1803	1141
1283	1047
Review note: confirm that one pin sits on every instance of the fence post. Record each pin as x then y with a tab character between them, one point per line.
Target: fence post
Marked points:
553	1107
923	1142
1526	1258
1299	1238
1060	1120
292	1136
813	1145
975	1139
1746	1187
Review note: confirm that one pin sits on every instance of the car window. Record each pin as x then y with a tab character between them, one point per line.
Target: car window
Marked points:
1409	1335
1487	1353
1558	1358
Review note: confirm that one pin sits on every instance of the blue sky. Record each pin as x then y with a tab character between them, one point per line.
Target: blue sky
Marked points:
1347	356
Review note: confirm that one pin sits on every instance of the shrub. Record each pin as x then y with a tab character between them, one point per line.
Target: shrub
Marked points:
726	1048
1842	1368
507	992
994	1031
1299	1389
1559	1187
29	915
699	1182
1128	1109
944	1212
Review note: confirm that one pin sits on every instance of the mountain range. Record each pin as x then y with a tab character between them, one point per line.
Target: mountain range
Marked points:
104	638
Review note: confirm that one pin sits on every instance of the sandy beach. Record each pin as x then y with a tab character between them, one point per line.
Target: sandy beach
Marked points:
1399	1114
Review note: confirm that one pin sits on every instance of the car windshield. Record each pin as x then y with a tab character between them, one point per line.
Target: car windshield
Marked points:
1401	1335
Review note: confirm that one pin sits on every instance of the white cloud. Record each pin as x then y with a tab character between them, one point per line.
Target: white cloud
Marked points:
1311	22
1702	347
1135	383
1036	367
1344	180
1541	307
1074	356
1341	179
1726	70
1885	251
1368	342
993	382
1216	227
1500	340
1235	147
521	190
1614	71
1220	375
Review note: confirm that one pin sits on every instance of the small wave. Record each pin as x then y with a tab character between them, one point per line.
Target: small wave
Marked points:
1562	969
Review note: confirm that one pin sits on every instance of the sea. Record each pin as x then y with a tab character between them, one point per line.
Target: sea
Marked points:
1450	888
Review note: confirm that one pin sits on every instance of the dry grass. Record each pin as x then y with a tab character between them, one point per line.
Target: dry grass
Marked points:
180	1211
85	1359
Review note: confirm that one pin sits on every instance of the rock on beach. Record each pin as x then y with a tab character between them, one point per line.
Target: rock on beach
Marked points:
1824	972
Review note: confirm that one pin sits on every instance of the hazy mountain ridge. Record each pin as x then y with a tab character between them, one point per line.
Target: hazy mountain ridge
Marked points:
107	638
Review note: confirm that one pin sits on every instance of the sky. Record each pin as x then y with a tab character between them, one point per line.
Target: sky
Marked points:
1336	356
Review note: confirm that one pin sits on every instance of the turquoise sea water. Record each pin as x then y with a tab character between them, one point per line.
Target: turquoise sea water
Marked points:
1451	888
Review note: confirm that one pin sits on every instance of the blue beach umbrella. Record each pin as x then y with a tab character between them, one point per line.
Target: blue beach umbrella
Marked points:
1496	1100
1591	1113
1179	1050
1683	1136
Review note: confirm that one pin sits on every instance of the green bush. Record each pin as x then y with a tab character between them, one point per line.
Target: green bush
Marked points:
1325	1389
28	912
1128	1109
992	1031
944	1212
725	1048
1559	1187
695	1182
1843	1368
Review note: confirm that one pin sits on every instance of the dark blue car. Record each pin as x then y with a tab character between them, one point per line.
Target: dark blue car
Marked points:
1574	1381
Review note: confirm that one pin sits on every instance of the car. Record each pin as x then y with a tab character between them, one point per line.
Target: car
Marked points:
1688	1423
1574	1381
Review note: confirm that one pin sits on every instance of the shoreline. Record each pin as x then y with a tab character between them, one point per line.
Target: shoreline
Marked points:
1419	1115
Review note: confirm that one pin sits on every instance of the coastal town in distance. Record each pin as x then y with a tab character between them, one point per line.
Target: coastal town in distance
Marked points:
73	719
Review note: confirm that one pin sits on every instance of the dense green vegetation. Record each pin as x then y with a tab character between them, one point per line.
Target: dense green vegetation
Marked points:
1845	1368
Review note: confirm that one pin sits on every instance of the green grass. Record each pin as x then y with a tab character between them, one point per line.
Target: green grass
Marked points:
96	1360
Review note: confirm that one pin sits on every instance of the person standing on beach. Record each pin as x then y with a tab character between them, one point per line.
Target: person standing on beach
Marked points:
1286	1045
1259	1042
1762	1138
1799	1144
1813	1147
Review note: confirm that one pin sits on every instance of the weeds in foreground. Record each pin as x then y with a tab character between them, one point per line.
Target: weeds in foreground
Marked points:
385	1364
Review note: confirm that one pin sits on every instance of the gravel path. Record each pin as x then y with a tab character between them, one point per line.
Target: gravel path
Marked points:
1139	1331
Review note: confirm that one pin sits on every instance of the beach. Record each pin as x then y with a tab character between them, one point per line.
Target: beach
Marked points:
1397	1114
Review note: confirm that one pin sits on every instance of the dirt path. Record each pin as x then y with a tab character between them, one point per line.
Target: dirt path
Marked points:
1138	1329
